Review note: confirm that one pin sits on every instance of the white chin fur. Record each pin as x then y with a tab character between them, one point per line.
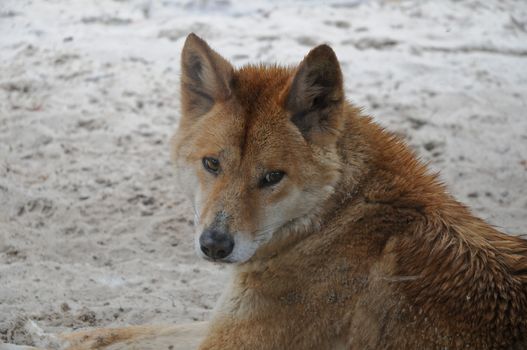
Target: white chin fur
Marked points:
244	248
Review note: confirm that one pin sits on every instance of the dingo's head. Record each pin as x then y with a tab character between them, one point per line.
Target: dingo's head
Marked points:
256	147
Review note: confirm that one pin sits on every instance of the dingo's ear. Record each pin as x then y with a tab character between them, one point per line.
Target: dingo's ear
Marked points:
205	77
316	94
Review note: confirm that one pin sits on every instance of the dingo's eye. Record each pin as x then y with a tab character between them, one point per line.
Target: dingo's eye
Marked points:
211	164
272	178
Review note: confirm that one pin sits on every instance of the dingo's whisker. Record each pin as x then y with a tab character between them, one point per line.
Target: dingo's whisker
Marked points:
196	215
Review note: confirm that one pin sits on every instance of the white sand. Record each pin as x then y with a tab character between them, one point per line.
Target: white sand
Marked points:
92	229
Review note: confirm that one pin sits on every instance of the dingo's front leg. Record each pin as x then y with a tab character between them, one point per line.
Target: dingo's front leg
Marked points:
225	334
177	337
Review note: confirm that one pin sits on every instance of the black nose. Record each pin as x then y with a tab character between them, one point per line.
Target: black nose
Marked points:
216	244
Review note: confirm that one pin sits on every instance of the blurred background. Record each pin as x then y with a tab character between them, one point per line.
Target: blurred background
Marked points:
92	229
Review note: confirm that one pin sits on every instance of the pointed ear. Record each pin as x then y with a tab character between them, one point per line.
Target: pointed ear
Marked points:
205	77
316	94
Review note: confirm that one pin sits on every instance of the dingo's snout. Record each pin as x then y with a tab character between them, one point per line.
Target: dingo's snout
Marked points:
216	244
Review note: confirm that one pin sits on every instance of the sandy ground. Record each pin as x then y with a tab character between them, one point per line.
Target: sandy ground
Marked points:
92	229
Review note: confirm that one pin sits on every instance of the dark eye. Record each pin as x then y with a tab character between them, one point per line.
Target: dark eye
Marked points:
272	178
211	164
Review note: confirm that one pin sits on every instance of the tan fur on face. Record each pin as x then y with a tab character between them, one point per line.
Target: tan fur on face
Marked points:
251	134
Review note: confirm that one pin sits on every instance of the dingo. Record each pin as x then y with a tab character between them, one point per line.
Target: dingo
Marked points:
339	238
